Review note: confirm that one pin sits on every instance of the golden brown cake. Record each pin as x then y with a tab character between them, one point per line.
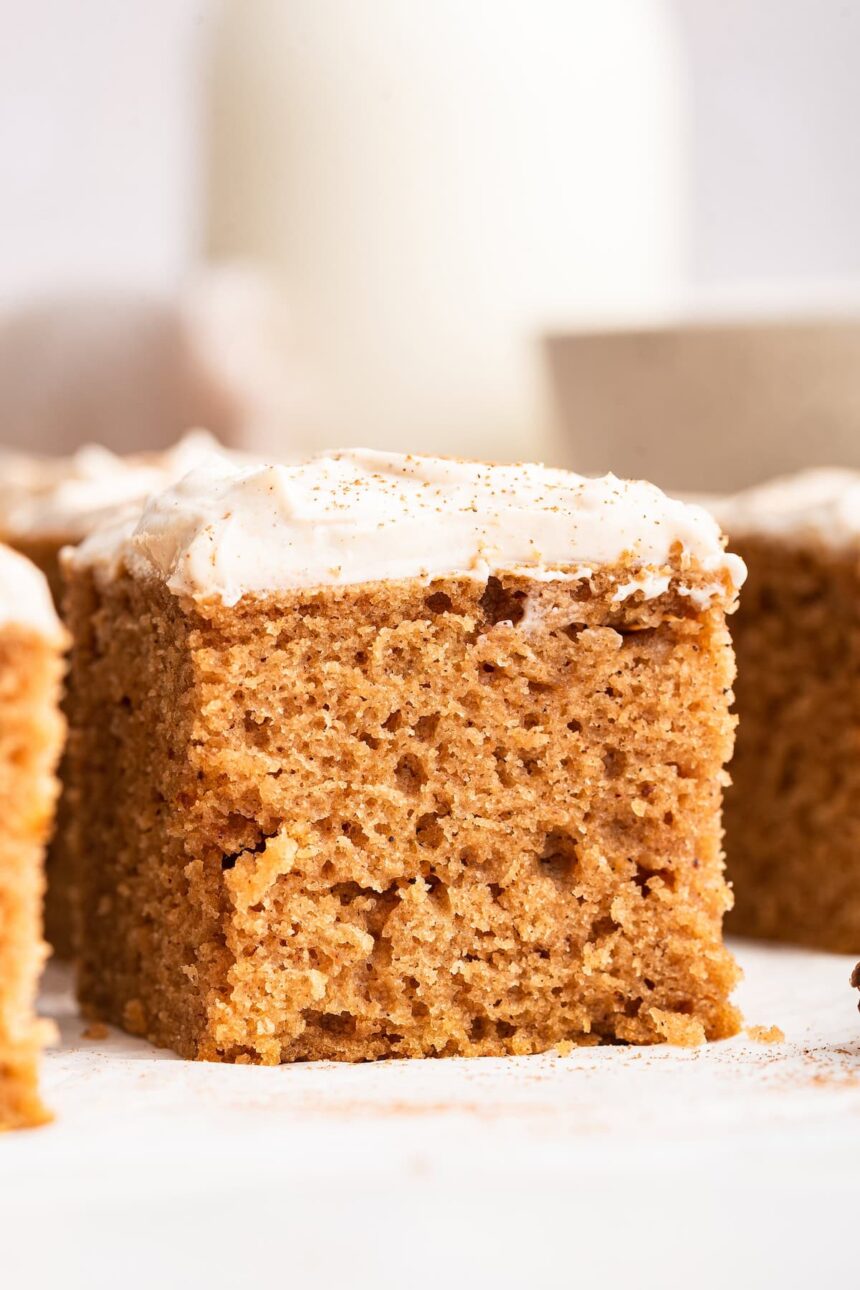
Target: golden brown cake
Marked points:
31	729
383	756
49	503
793	811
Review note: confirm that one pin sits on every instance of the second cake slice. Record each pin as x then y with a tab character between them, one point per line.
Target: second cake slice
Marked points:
31	733
387	756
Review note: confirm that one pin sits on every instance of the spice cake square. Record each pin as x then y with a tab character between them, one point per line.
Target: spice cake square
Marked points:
384	756
793	811
31	730
47	503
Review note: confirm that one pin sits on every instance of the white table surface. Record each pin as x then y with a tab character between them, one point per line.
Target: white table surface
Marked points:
736	1163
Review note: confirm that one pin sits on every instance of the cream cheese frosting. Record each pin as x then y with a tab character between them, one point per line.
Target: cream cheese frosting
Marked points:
25	600
361	516
64	498
822	504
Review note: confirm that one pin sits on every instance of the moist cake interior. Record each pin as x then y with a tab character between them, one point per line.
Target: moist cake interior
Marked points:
396	819
793	812
30	732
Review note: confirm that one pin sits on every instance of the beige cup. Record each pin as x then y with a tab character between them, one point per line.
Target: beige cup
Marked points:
708	408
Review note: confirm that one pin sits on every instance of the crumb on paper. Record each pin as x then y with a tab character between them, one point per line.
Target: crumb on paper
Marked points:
565	1047
678	1030
765	1034
96	1030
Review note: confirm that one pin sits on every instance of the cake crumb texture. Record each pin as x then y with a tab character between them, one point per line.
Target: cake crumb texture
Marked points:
793	812
49	503
400	820
30	737
44	552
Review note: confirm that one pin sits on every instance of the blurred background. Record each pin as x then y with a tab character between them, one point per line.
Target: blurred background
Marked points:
613	236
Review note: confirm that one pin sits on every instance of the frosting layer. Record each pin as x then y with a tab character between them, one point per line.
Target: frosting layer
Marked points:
823	504
64	498
25	600
348	517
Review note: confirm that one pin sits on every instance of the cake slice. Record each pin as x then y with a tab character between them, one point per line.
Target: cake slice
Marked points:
384	756
31	729
47	503
793	812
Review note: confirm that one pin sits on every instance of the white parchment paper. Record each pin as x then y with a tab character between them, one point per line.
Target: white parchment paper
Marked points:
738	1160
